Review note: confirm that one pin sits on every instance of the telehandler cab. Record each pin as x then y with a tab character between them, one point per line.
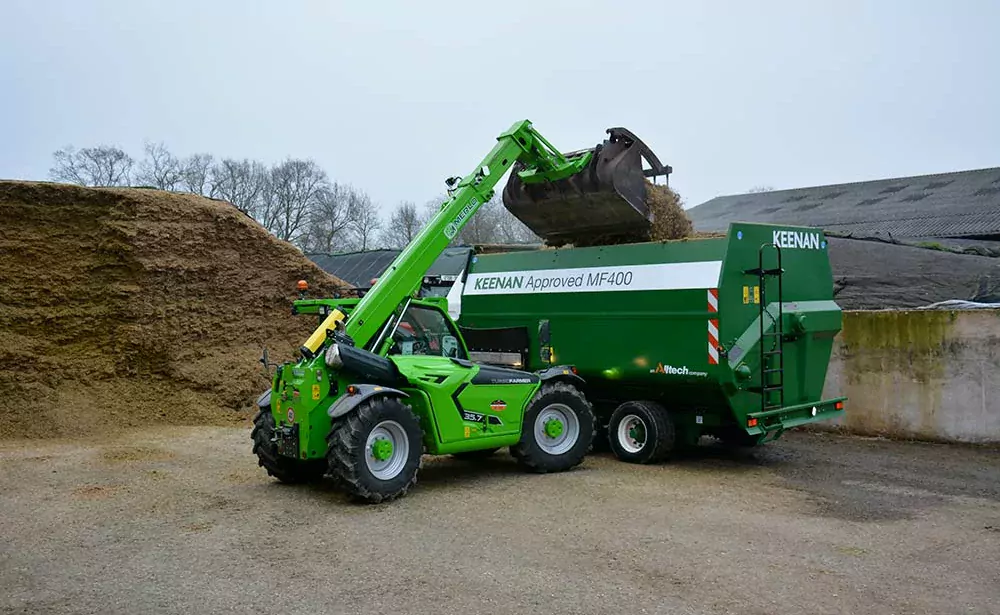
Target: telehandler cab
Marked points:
386	378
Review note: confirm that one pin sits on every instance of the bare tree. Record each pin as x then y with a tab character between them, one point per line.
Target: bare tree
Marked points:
484	225
196	172
330	220
404	224
760	189
293	190
366	221
92	166
241	182
511	230
159	168
432	207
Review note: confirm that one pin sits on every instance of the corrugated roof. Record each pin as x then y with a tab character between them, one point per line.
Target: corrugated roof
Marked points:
355	268
358	268
960	204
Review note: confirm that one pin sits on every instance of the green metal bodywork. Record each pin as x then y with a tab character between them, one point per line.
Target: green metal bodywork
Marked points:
635	321
456	413
456	416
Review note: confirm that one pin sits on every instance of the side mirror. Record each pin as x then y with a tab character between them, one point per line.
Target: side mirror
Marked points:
266	362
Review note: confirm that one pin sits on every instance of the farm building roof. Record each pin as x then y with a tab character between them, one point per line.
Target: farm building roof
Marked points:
355	268
960	204
358	268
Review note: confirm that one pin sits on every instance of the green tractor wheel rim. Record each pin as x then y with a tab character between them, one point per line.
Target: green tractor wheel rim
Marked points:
557	429
632	433
386	450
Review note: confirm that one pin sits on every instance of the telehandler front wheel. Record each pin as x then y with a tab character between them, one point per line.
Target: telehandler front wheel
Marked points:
641	432
557	430
374	452
285	469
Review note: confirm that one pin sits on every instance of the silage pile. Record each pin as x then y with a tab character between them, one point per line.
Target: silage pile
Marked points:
128	307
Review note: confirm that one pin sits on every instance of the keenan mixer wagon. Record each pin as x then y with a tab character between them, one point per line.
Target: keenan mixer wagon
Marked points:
387	377
727	336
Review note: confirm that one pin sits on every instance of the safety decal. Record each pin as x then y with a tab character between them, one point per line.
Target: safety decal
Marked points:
713	327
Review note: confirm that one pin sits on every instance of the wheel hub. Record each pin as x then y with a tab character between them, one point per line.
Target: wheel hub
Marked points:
387	448
382	449
632	433
554	428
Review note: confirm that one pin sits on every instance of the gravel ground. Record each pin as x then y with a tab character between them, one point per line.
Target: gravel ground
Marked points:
182	521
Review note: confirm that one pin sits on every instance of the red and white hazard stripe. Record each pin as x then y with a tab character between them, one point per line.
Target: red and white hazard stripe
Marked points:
713	327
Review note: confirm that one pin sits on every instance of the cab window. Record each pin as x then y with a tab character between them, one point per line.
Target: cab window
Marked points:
426	331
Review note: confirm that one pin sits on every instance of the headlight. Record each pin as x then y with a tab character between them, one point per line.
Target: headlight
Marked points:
333	356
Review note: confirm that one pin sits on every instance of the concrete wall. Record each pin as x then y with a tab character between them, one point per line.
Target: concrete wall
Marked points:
930	375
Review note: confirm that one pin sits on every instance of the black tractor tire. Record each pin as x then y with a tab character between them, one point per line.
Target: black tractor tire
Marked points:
348	455
600	443
285	469
603	413
542	457
736	438
479	455
659	438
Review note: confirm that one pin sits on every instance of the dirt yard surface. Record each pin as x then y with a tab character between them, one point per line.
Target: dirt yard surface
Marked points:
180	520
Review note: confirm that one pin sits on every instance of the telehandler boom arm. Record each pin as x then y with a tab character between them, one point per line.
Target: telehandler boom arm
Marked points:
520	143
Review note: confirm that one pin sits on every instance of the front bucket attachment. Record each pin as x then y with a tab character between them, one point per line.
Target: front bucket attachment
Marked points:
605	203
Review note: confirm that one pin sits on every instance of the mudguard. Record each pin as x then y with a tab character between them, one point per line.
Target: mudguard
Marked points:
364	392
264	400
560	372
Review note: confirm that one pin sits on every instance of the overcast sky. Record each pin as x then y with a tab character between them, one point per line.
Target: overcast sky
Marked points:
394	96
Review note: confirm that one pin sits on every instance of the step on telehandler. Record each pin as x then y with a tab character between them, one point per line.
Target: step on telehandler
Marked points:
386	378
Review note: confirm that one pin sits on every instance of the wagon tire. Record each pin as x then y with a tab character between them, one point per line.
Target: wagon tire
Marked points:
642	432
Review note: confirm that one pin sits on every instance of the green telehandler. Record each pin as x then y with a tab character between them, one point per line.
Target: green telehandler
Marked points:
385	378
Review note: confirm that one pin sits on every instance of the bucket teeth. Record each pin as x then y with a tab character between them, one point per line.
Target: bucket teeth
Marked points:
605	203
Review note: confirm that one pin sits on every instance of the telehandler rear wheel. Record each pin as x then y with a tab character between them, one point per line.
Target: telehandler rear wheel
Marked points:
374	452
557	430
285	469
641	432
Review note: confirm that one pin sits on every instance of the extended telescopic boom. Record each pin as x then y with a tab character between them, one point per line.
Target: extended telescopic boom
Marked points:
520	143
